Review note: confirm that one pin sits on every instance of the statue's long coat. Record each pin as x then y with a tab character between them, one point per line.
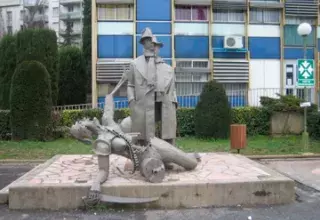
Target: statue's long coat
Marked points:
141	99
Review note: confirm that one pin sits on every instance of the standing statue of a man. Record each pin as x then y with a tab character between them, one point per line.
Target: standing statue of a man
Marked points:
151	93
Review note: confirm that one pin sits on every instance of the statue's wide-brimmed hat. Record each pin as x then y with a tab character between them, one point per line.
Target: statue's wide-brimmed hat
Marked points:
156	42
145	34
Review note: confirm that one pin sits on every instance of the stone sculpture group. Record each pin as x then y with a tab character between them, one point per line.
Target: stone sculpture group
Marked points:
152	102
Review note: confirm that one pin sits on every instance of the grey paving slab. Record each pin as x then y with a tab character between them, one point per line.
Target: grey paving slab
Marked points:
306	172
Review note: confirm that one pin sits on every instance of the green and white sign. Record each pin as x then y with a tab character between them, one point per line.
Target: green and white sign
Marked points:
305	73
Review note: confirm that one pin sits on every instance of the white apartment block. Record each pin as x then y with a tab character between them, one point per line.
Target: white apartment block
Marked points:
55	13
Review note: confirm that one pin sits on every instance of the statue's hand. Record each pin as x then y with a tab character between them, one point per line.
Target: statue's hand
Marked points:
92	199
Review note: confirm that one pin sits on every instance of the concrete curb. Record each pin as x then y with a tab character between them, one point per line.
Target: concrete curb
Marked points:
254	157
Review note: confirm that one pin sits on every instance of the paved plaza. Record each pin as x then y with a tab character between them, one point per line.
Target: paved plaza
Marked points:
306	207
220	179
303	171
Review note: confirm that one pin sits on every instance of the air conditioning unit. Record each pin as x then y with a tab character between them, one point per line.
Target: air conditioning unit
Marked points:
233	42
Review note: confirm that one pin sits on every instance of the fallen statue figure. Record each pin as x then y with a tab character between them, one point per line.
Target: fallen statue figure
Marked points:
112	138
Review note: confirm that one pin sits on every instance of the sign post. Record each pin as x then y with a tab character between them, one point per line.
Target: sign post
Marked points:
305	79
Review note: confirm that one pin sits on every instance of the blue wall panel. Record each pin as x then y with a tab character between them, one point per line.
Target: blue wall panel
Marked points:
159	10
115	46
217	42
165	51
318	44
191	46
156	27
264	47
297	53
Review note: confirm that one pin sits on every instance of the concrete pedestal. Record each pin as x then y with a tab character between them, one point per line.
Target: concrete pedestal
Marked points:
220	179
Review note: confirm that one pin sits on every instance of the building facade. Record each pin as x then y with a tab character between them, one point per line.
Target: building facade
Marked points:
54	15
10	16
71	11
247	45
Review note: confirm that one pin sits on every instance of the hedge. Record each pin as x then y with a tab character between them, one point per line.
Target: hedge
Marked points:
7	67
213	112
40	45
73	76
31	102
257	119
4	124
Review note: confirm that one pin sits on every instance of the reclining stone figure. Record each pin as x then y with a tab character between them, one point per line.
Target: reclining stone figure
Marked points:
110	139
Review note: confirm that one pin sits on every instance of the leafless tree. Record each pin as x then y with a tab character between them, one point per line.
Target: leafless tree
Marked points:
34	14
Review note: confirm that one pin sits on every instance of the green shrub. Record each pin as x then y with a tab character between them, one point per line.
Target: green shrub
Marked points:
7	67
212	113
40	45
257	119
314	125
31	102
285	103
185	122
69	117
5	125
73	77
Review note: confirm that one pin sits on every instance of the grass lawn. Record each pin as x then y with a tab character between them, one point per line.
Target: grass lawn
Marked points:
260	145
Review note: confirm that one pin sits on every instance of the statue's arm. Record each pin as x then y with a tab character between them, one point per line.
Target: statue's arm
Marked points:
131	84
172	89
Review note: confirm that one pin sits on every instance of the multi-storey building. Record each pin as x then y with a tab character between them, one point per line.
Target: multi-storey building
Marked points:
71	11
53	14
10	16
244	44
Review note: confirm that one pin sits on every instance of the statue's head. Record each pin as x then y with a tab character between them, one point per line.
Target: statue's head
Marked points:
157	45
146	39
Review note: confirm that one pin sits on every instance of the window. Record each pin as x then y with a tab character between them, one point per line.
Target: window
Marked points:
231	16
191	83
55	12
22	14
115	12
298	20
9	30
292	38
191	13
9	18
70	8
265	16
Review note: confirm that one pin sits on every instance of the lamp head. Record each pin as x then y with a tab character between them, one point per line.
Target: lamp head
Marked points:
304	29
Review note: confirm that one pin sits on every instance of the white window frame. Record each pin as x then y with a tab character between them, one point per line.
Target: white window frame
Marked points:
191	20
131	8
298	20
192	81
228	21
55	10
264	17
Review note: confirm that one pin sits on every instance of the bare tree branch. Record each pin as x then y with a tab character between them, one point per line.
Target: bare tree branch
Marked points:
30	13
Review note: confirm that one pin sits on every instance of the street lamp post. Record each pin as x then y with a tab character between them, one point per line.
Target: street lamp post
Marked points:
304	29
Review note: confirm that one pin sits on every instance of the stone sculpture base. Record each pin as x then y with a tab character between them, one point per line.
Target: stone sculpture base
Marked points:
220	179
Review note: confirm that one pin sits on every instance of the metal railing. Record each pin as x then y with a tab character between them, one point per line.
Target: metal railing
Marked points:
236	97
71	15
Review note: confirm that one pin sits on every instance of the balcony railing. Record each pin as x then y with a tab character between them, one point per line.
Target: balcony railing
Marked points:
74	32
33	3
70	2
71	15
